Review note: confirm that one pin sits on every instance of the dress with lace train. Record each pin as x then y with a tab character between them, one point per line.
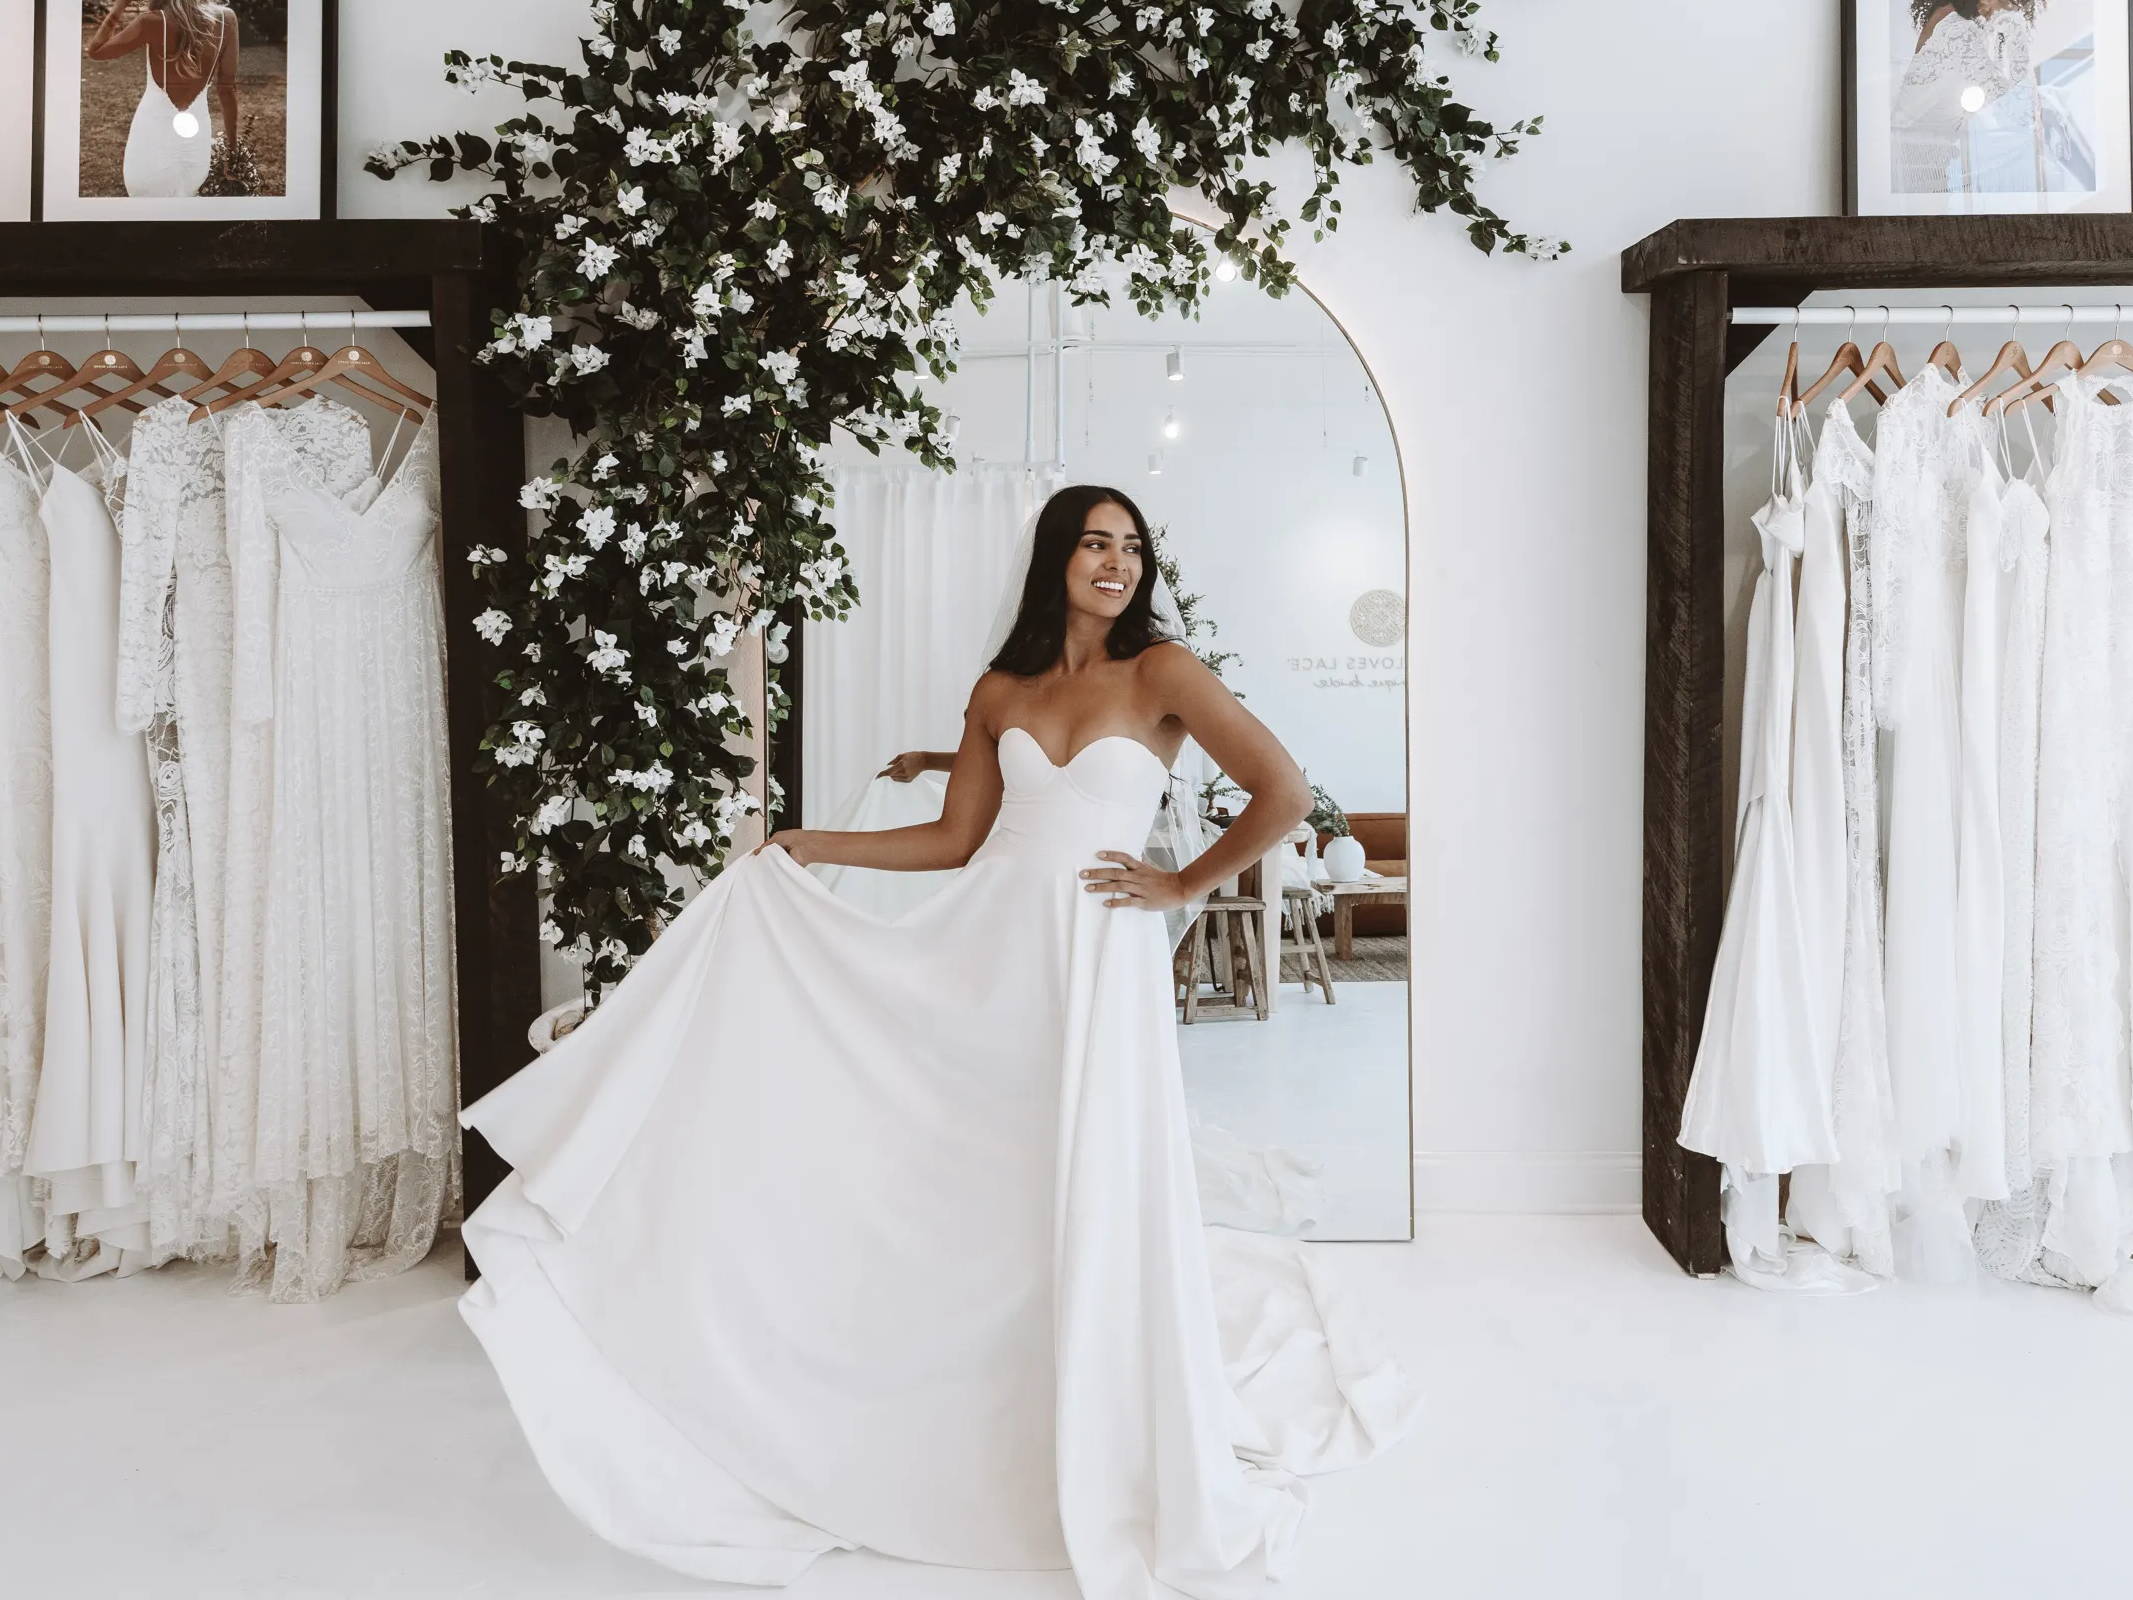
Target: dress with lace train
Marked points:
338	1031
176	635
829	1229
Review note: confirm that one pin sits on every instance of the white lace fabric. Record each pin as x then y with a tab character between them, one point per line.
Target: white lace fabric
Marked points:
339	996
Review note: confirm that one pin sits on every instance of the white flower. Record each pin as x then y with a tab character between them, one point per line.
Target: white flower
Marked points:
646	715
629	199
634	317
941	19
677	647
1194	60
782	365
597	260
734	405
1259	49
1121	83
713	703
535	696
640	147
598	525
725	633
527	732
831	198
484	555
1022	90
550	933
561	569
607	657
601	468
492	625
554	812
542	494
588	357
534	144
696	833
512	862
777	256
636	847
763	210
569	226
602	46
983	99
533	332
1148	18
669	40
482	210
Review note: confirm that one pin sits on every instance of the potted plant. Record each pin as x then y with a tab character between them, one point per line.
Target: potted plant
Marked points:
1343	855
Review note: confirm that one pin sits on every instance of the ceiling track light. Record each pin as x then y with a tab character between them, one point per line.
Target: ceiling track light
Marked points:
1174	364
1155	463
1171	426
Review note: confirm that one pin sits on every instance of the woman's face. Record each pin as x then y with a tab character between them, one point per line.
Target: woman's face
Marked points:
1105	567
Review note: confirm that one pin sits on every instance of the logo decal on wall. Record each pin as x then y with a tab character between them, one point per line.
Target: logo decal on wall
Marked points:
1379	617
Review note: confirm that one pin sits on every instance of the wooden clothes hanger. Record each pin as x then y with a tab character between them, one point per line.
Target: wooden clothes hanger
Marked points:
43	362
306	357
1944	355
245	362
1788	385
106	364
2012	358
2064	355
1881	361
1847	359
348	367
173	363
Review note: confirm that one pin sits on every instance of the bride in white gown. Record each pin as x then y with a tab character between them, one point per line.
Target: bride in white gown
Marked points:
189	46
832	1230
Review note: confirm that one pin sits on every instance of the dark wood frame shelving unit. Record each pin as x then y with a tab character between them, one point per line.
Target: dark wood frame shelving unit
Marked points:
458	272
1696	272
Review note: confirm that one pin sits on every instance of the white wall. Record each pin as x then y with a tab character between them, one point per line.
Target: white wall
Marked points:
1517	392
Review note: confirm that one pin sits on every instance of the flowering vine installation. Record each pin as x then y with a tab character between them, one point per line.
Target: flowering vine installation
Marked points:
734	246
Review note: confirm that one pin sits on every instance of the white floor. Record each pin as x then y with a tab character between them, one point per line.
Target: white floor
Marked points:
1598	1426
1325	1082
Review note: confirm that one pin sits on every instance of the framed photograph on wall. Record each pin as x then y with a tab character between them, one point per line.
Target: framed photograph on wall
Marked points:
1986	106
166	110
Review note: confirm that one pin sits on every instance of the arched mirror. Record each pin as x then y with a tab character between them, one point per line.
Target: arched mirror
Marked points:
1255	443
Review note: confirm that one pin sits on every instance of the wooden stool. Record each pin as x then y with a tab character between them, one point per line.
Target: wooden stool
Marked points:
1227	933
1310	948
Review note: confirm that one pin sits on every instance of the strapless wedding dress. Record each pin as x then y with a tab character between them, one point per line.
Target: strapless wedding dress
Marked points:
831	1230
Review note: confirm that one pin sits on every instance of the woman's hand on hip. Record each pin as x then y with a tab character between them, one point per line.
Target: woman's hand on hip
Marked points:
1133	882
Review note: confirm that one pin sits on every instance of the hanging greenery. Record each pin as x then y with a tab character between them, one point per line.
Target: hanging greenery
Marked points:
735	246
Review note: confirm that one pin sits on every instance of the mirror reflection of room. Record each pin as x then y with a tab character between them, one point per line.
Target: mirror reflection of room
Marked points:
1254	443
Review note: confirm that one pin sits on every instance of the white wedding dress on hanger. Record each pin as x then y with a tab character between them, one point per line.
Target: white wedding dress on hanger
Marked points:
176	639
339	1029
25	848
85	1136
832	1230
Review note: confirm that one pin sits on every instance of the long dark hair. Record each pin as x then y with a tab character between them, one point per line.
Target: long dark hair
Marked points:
1039	634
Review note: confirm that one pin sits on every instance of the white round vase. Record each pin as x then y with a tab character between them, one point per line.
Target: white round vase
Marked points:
1343	858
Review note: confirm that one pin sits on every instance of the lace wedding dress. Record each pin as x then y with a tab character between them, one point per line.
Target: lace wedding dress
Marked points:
25	849
85	1132
338	1031
1843	1205
176	636
2070	1225
830	1229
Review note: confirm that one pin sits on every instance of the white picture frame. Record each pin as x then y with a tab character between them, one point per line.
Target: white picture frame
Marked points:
1988	107
306	114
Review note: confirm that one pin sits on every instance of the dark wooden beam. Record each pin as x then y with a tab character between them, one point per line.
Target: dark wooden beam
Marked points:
1684	690
167	258
1895	252
481	443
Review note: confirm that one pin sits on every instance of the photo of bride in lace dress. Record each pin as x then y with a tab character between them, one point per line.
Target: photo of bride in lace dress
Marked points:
1988	105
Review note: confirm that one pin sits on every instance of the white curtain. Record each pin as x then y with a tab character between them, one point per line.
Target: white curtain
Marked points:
930	552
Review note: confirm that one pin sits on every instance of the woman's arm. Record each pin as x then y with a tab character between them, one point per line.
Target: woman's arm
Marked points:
226	79
122	31
1244	748
903	768
972	802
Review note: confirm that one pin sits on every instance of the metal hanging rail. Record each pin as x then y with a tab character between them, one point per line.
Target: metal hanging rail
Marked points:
1922	316
213	322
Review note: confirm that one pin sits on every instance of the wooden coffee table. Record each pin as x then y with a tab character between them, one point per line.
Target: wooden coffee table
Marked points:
1347	896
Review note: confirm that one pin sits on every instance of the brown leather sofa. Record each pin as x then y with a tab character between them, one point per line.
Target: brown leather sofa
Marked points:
1384	839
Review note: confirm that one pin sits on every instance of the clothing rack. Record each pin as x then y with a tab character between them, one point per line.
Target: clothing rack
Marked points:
324	319
1921	316
441	283
1718	288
